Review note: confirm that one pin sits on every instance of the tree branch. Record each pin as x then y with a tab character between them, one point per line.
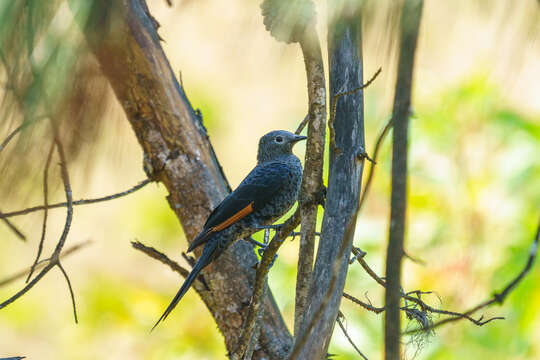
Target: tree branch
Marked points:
344	183
250	325
372	164
54	259
177	152
20	274
340	323
155	254
312	180
77	202
13	228
46	212
410	23
497	298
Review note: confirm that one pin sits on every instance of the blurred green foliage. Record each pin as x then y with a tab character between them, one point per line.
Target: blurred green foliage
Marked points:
474	196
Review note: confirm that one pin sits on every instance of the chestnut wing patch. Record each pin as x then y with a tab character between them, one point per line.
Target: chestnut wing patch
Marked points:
257	189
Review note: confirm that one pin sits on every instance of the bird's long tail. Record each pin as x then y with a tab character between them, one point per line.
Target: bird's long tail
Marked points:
199	265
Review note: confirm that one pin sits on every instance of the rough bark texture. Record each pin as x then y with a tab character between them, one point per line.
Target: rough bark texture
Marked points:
343	187
178	153
410	23
312	184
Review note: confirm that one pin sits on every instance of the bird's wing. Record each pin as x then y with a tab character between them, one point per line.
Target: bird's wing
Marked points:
257	189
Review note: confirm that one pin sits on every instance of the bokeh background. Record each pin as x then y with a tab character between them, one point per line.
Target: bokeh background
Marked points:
474	190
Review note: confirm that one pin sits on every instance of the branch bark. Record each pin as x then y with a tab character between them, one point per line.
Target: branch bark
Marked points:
312	184
410	23
344	182
178	153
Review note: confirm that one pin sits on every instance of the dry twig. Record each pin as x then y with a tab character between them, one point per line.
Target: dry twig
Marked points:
497	298
54	259
41	264
13	228
77	202
340	323
251	323
46	212
333	111
378	144
155	254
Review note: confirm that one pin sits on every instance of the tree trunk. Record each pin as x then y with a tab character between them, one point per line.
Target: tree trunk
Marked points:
177	152
344	182
410	23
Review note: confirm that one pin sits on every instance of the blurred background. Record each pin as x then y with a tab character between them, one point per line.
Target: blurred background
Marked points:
474	190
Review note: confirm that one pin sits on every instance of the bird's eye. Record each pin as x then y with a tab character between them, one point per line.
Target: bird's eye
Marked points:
279	139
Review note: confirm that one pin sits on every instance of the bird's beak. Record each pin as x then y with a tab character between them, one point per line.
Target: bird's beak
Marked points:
298	138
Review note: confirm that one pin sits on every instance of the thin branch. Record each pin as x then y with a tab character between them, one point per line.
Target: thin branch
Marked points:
251	322
359	255
369	307
12	135
55	257
334	105
378	144
302	339
70	291
77	202
340	323
46	212
20	274
155	254
302	125
497	298
13	228
312	182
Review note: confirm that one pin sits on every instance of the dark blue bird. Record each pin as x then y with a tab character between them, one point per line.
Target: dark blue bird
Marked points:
266	194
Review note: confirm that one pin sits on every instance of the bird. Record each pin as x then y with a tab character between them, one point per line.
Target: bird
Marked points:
265	195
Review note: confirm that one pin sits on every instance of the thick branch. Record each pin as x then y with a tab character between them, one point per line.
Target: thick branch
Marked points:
178	153
312	181
343	192
410	23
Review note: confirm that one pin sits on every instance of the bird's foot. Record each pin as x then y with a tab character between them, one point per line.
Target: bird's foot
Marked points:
260	251
255	242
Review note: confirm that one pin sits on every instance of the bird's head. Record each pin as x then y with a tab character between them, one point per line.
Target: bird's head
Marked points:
277	143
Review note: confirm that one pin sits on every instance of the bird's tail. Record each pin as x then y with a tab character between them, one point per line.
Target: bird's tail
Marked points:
199	265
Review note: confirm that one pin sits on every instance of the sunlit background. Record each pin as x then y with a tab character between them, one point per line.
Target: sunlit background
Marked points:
474	189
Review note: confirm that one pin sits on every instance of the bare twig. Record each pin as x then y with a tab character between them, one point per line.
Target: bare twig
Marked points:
77	202
41	264
54	260
13	228
370	307
155	254
378	144
12	135
70	291
46	212
334	105
302	125
340	323
250	324
497	298
360	258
